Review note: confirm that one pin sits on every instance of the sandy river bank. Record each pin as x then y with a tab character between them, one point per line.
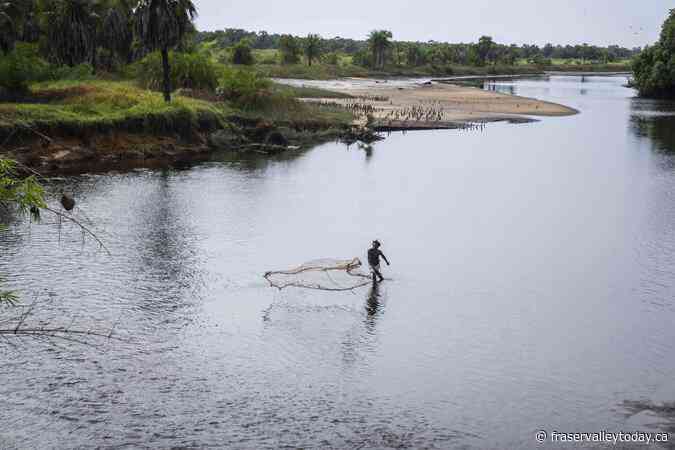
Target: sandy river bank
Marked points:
419	104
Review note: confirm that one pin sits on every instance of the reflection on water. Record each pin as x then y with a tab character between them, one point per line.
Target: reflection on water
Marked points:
533	277
501	88
654	120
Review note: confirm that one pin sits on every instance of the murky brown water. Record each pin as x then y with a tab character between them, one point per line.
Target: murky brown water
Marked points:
533	285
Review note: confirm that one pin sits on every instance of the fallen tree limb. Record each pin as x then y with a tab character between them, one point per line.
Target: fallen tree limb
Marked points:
79	224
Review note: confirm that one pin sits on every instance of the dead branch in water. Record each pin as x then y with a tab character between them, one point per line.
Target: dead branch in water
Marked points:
63	215
17	326
79	224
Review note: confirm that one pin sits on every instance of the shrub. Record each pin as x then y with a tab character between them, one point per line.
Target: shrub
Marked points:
332	58
20	68
289	47
242	54
188	70
81	72
541	61
363	58
269	60
245	89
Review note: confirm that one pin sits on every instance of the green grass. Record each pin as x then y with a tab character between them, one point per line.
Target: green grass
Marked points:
267	56
73	106
316	71
306	92
282	107
301	115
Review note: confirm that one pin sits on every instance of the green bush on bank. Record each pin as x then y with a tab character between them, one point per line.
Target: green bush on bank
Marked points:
20	68
244	88
75	108
242	54
24	66
188	70
81	72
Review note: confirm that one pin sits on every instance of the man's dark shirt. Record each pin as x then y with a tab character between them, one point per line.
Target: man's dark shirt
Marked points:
374	256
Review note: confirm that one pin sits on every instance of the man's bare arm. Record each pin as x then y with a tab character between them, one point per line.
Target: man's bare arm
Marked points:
385	258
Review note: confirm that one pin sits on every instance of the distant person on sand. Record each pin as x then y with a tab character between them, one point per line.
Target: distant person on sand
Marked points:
374	255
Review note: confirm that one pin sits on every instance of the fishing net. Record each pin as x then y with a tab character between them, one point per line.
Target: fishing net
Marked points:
322	274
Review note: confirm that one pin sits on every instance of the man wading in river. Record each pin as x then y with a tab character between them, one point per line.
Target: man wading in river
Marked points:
374	255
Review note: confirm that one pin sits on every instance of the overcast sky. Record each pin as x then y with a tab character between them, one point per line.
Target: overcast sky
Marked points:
625	22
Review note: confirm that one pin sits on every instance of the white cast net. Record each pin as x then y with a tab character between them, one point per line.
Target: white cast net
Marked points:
322	274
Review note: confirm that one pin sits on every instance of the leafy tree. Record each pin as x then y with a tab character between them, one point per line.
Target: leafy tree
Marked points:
23	194
667	40
244	88
70	28
363	58
7	33
484	48
188	70
161	25
548	50
654	68
379	42
416	55
313	47
21	67
13	14
289	49
242	54
541	61
331	58
116	32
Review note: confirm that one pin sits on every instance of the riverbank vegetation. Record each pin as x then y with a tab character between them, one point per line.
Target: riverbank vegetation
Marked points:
130	83
73	69
654	68
17	193
379	55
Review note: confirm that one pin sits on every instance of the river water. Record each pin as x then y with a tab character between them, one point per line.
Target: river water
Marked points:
533	288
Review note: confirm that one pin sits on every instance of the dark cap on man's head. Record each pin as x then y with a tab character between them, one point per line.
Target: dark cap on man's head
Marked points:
377	243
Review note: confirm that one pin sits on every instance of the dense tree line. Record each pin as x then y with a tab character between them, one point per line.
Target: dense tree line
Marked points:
263	40
100	33
379	49
654	68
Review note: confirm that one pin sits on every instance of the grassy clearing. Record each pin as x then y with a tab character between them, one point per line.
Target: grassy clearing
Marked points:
267	56
315	72
287	110
74	106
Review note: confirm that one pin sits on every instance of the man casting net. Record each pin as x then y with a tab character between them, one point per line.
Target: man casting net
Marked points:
322	274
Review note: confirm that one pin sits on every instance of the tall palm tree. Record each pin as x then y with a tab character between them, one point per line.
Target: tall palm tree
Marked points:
12	18
70	28
31	29
312	47
379	43
116	32
161	25
7	32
